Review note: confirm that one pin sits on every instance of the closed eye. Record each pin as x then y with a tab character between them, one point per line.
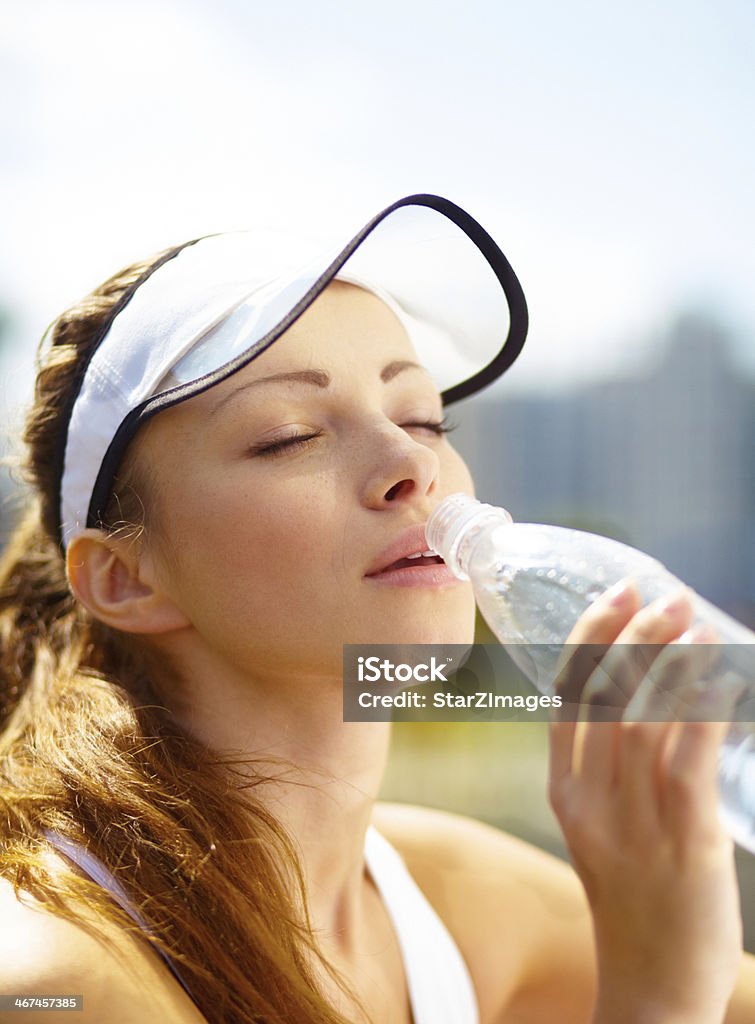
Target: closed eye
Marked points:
439	427
292	443
297	442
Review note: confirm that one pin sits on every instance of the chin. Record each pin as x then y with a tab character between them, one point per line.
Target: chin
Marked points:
436	629
415	617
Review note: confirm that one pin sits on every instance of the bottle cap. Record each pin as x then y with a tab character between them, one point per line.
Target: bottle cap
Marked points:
451	522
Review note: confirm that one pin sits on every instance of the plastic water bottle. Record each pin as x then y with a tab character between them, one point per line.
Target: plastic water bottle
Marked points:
532	582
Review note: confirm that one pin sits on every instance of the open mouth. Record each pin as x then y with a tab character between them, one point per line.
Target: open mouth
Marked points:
422	558
408	562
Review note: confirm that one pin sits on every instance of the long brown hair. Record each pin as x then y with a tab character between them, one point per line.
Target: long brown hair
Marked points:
88	750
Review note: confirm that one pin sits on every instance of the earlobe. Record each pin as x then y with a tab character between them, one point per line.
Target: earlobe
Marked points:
104	574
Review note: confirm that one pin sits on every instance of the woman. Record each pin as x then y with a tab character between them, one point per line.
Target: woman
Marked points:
233	464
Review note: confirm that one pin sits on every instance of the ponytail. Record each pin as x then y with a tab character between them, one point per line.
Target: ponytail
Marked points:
39	619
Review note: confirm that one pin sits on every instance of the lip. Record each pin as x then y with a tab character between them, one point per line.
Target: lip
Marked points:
410	541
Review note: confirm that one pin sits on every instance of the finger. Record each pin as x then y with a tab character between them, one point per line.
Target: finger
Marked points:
594	632
641	745
661	621
690	781
596	748
636	648
616	680
602	620
640	759
560	746
675	687
587	643
599	754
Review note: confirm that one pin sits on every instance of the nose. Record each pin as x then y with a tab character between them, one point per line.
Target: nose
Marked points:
405	470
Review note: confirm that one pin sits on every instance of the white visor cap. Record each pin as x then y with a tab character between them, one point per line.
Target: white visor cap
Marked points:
209	307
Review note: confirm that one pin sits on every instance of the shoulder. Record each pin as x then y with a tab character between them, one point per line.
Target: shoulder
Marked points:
518	914
121	980
439	842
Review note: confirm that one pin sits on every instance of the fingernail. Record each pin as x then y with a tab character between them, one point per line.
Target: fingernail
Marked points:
702	633
619	594
673	606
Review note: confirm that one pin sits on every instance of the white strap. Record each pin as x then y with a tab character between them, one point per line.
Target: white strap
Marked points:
96	870
440	987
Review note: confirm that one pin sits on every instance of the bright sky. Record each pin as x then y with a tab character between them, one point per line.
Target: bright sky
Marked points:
607	147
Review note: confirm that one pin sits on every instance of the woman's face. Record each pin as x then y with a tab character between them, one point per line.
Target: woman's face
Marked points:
280	492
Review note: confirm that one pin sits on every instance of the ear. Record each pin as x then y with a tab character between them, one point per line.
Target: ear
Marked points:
118	586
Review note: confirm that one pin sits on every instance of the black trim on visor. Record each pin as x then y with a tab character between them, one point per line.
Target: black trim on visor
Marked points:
517	333
123	301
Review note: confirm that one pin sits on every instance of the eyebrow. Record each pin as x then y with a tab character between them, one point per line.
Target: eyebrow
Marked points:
315	378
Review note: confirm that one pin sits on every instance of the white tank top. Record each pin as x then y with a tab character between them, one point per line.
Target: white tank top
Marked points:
440	988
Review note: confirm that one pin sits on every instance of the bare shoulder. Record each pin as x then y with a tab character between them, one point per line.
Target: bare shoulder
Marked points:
518	914
434	840
121	981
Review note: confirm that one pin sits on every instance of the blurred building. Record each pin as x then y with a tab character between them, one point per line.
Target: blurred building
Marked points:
664	461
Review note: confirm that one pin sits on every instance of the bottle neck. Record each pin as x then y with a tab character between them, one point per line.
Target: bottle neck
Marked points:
455	527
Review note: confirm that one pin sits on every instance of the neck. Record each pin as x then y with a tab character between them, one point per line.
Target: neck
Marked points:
325	775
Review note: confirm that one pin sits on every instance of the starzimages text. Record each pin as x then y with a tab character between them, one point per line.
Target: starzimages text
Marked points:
482	699
532	702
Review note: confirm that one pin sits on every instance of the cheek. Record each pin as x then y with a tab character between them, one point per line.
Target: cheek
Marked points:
234	554
455	474
279	569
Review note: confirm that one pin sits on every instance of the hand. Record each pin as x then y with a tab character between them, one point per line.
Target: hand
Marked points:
637	802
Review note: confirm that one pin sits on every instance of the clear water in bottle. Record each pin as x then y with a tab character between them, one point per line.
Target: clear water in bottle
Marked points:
532	582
